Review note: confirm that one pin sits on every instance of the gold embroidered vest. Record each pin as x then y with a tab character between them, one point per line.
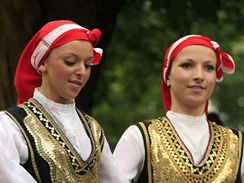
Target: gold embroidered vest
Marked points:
168	160
50	149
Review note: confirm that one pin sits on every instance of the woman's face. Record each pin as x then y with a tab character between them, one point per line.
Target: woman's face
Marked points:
66	71
192	79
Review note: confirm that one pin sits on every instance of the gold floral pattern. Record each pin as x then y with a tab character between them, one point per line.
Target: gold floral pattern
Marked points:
172	162
65	163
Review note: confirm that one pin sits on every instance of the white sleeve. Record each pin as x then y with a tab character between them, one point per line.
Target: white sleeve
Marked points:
109	171
13	151
130	153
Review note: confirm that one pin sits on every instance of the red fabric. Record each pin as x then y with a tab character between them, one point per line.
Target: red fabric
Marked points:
225	63
27	77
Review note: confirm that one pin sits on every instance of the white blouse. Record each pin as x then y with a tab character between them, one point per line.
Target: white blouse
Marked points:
14	150
193	131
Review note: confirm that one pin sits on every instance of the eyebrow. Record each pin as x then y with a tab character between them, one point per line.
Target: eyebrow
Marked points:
68	54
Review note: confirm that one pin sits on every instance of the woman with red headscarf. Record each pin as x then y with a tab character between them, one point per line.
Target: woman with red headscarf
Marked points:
45	138
183	146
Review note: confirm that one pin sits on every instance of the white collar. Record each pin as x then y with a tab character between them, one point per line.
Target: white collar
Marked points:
50	104
176	118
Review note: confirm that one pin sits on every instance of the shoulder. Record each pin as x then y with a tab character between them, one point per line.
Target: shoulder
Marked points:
8	126
92	121
94	126
234	134
140	130
226	128
15	111
8	116
144	125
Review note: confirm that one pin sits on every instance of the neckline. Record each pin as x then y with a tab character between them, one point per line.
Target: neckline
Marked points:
187	151
51	105
32	102
186	119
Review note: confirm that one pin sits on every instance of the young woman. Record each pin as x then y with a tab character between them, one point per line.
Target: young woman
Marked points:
183	146
45	138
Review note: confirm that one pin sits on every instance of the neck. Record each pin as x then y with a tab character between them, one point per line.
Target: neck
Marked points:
191	111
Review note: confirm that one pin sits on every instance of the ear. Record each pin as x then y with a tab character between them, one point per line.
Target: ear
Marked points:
168	83
42	68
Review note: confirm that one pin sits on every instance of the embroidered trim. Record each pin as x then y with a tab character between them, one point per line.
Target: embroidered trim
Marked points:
148	152
187	151
56	133
169	155
29	145
65	163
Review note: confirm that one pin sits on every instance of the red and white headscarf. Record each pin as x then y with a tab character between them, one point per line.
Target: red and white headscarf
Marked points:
50	36
225	63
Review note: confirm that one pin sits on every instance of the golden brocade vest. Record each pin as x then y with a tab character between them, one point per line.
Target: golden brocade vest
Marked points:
52	158
169	161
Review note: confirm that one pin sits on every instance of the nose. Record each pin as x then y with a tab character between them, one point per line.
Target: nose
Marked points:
198	74
81	69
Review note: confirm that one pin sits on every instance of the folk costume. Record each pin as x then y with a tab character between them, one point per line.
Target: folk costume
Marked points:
45	141
182	148
52	156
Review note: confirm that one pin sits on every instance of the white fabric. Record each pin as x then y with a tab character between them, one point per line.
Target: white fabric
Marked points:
42	47
130	153
13	147
172	48
193	131
61	114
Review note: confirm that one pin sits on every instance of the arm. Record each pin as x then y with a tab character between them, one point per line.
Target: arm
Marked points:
109	171
130	153
13	152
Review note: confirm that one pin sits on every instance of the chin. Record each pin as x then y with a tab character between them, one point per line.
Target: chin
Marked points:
69	99
196	102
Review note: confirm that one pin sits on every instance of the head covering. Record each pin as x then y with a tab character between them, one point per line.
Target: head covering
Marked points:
50	36
225	63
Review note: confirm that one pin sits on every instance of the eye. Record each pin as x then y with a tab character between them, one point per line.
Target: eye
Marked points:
69	62
210	67
186	65
88	62
87	65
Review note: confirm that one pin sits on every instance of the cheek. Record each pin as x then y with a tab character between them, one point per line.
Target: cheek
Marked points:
212	85
211	79
87	73
178	78
59	75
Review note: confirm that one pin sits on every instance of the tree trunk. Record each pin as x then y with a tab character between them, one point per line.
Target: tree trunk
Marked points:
21	19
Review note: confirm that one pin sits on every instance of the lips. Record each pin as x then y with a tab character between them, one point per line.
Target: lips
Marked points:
76	83
197	87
